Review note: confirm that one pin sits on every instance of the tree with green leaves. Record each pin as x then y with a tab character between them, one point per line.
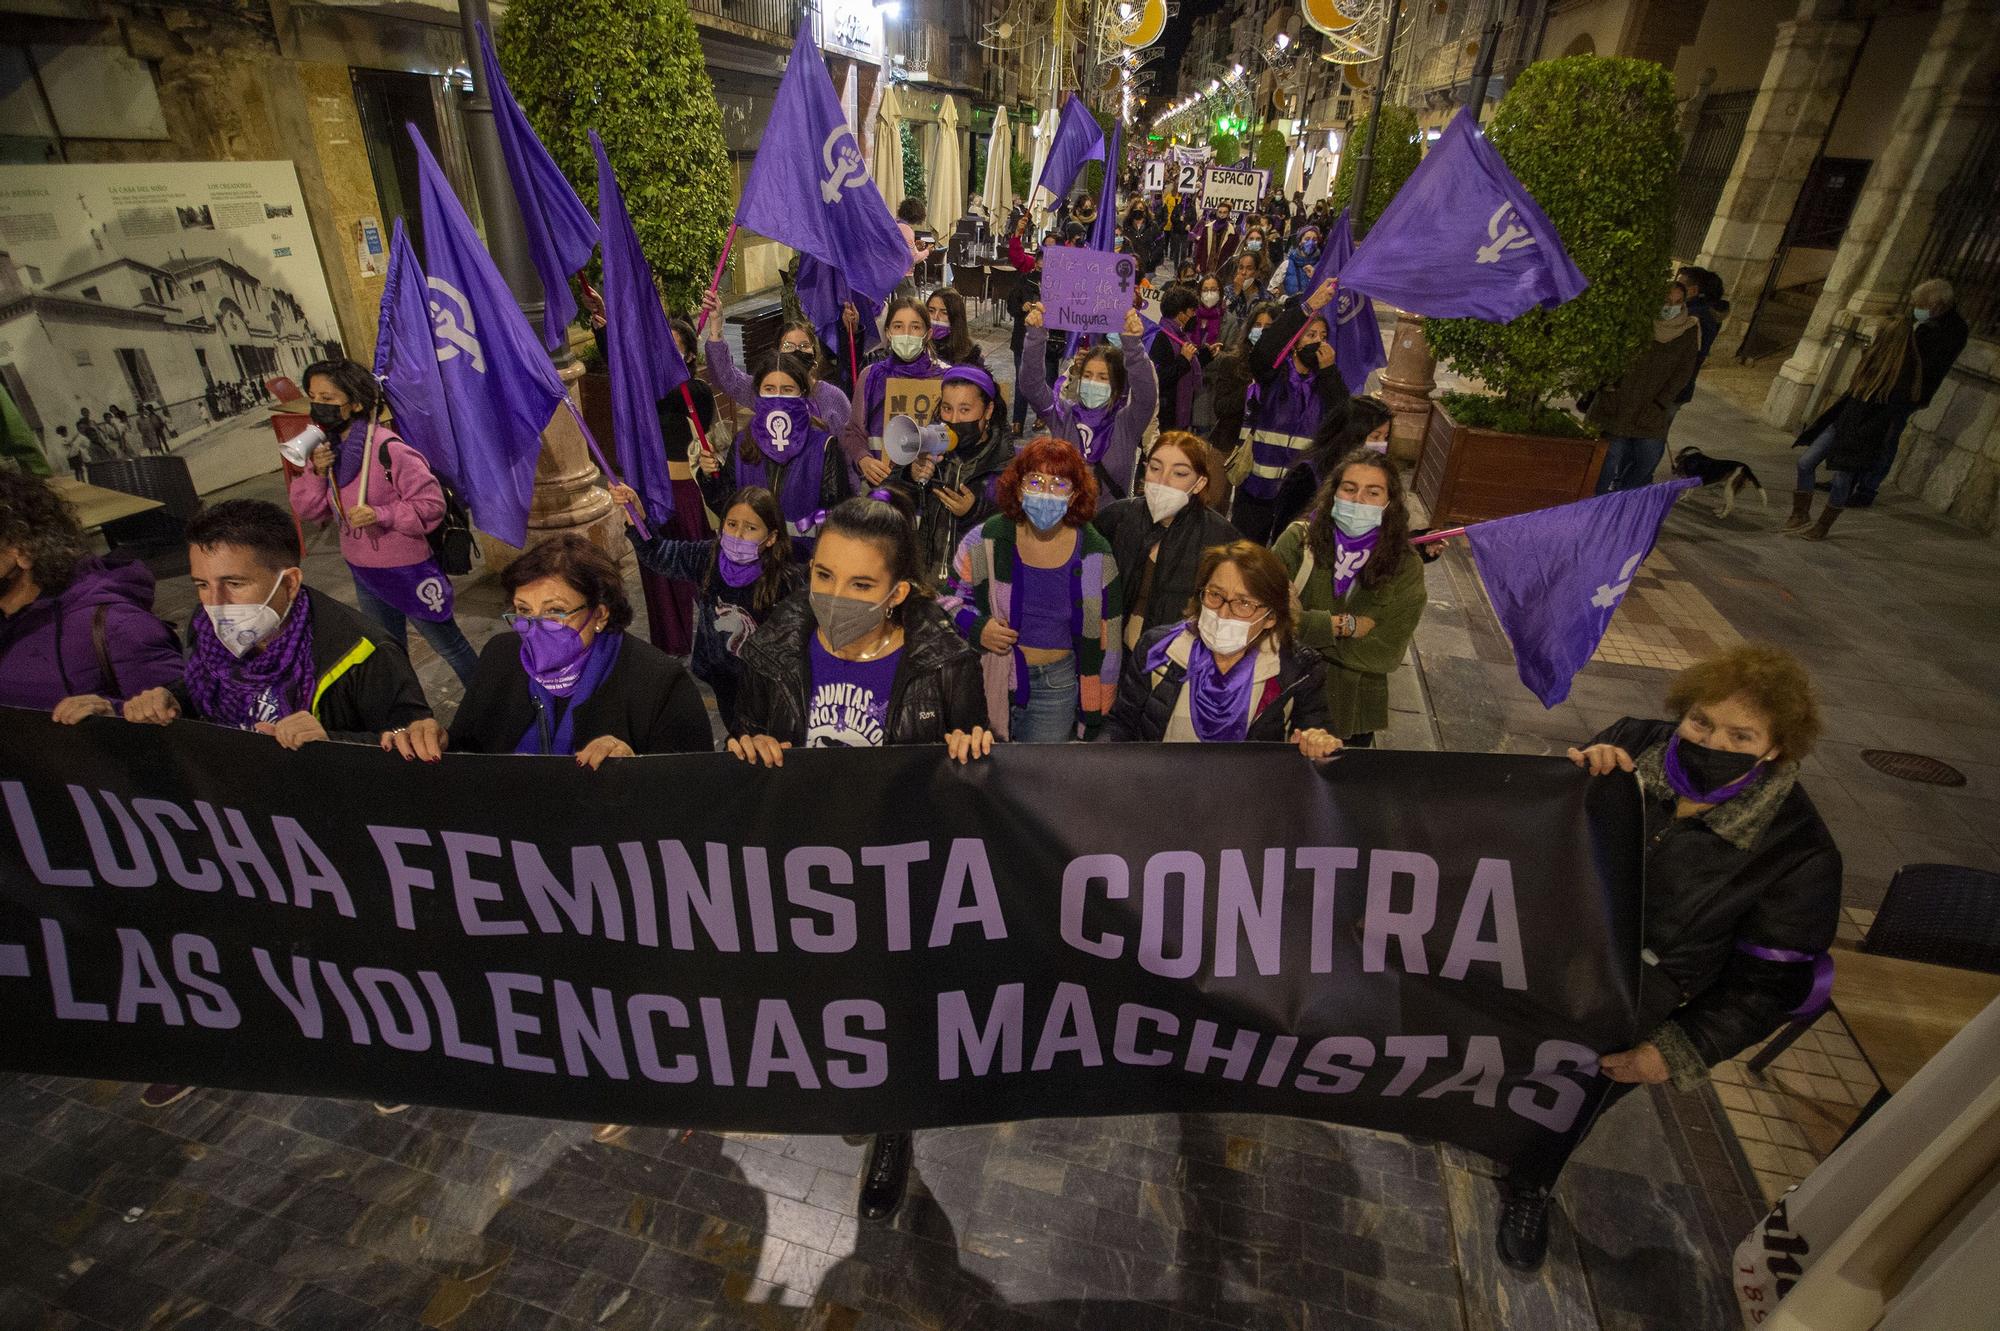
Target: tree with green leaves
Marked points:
1272	150
1226	148
1398	149
635	74
1593	139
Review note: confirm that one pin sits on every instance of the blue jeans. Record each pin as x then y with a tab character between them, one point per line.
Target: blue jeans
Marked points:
1629	462
445	637
1050	716
1843	481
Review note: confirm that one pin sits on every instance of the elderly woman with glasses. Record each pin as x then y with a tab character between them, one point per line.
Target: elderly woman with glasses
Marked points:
1038	592
1231	671
569	679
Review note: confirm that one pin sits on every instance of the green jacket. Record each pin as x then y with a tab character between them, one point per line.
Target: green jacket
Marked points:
1357	675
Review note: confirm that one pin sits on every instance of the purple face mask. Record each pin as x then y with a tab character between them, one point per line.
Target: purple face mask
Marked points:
552	653
779	425
738	565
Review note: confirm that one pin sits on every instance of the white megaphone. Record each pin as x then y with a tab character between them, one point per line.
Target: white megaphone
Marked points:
904	441
298	450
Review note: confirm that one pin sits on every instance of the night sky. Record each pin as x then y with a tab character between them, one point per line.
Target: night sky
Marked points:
1167	72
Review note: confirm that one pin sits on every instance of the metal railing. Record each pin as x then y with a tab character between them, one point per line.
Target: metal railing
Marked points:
1963	246
778	17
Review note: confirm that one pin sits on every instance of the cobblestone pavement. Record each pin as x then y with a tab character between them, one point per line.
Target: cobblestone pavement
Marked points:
233	1210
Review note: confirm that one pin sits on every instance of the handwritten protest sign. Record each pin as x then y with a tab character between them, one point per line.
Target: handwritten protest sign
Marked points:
1087	291
1234	184
909	397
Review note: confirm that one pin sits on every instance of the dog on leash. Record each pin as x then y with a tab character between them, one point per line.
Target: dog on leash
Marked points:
1731	476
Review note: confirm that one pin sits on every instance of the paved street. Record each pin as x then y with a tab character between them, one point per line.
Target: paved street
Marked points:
231	1210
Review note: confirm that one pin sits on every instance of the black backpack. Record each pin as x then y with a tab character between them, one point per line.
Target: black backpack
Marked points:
451	540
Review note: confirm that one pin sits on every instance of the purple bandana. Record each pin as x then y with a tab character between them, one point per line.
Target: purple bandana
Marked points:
1684	786
348	453
876	377
736	560
592	666
1218	703
1093	428
1351	552
269	684
421	591
780	423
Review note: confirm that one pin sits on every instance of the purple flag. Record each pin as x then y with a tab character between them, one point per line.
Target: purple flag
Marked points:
1078	139
640	351
1555	576
407	364
1104	231
822	291
809	187
1350	319
500	386
1463	240
561	234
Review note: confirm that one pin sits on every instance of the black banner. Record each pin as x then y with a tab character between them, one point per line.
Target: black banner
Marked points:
1424	943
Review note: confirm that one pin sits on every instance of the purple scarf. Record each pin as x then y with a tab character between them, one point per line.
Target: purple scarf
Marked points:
797	483
539	738
1351	552
1092	424
231	691
1218	703
350	452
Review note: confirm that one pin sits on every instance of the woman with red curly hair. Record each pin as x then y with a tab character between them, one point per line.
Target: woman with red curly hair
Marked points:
1038	592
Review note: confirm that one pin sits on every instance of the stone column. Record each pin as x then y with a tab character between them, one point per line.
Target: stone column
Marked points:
569	490
1794	108
1952	92
1407	381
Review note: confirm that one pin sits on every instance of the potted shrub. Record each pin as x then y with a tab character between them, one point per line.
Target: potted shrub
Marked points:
1593	139
1398	149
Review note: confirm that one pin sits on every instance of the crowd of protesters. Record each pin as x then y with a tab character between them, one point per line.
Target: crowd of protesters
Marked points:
1187	532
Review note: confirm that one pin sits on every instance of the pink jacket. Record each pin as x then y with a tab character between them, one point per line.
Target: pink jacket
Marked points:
406	497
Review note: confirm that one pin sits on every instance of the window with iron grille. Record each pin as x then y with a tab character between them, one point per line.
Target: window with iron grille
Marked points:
1964	243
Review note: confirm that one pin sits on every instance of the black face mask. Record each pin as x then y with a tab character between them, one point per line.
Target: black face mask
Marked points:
1712	769
328	417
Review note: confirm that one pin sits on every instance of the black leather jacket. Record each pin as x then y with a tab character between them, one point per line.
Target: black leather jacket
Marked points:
938	687
1144	708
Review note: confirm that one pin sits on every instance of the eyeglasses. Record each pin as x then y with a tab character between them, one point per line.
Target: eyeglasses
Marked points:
1239	607
514	617
1041	483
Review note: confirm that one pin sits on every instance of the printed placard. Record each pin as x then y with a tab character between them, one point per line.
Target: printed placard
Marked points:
1233	184
1087	291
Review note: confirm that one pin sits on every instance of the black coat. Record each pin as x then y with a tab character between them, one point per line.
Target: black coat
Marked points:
1861	430
1265	366
938	686
366	696
1940	339
1704	894
1130	529
1143	708
648	699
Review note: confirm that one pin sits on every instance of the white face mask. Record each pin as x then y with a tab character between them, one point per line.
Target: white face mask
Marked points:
1224	637
1670	311
1163	501
241	627
1092	393
1211	298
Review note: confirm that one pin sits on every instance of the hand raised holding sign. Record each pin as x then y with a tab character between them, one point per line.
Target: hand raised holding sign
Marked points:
1033	314
1134	326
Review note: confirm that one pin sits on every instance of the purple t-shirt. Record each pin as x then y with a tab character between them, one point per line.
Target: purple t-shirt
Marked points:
848	706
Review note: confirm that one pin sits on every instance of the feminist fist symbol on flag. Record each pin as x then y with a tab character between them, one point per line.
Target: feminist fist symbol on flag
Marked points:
845	173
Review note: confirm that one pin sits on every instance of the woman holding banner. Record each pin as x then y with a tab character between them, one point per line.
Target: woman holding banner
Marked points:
1231	671
1360	586
1040	595
785	449
906	324
863	658
829	403
569	680
385	499
1108	399
1742	891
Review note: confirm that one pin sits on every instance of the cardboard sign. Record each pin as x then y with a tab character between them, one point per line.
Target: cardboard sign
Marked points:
1087	291
1234	184
1154	178
909	397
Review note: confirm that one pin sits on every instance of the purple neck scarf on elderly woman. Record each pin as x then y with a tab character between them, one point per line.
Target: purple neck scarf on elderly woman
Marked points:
269	684
1218	703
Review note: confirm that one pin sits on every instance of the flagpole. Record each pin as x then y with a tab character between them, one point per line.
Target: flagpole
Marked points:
1286	350
687	396
603	465
715	283
1444	535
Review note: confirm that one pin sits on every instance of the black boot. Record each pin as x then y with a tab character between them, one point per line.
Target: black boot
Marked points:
887	1174
1523	1233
